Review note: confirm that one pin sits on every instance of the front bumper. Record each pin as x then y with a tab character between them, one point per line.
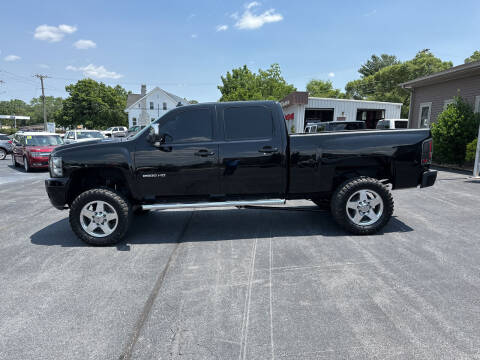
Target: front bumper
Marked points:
428	178
57	191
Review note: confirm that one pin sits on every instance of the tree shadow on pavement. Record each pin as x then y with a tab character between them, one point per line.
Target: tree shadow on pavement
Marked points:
215	225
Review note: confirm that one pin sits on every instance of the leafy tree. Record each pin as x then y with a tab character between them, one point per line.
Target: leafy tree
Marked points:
93	105
192	102
376	63
384	84
324	89
52	106
242	84
475	57
455	127
14	107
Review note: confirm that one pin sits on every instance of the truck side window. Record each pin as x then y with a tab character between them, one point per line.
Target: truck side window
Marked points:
189	126
248	122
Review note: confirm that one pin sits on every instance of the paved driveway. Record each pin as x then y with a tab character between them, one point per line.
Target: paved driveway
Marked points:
242	284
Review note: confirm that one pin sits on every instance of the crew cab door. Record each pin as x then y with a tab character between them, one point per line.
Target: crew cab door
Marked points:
186	163
252	153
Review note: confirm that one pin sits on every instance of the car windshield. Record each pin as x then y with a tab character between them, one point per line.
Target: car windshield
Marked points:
89	135
43	140
109	129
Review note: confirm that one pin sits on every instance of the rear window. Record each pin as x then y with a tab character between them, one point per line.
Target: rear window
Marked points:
89	135
4	137
401	124
248	122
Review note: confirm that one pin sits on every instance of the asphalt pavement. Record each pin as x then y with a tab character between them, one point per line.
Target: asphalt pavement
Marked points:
242	283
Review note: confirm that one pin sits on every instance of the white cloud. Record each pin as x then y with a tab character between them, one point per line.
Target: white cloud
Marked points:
222	27
95	71
53	33
331	74
251	21
84	44
12	58
194	36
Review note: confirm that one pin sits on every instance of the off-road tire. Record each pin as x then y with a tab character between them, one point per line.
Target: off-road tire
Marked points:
116	200
346	189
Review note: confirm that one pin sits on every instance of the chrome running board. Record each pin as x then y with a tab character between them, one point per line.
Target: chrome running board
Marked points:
213	204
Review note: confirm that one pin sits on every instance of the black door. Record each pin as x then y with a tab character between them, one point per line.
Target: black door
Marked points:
252	158
186	164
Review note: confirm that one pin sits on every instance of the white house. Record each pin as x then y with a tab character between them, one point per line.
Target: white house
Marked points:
301	109
145	107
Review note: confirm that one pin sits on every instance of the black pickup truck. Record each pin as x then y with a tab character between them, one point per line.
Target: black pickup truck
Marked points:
234	154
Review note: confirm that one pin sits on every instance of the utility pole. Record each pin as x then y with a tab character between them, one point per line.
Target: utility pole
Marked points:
41	77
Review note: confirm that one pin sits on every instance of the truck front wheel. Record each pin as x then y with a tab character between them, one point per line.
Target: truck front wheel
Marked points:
100	216
362	205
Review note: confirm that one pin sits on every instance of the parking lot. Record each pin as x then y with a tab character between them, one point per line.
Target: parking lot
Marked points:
242	283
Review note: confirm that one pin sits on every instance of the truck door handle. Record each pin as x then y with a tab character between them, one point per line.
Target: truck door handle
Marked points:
268	150
204	152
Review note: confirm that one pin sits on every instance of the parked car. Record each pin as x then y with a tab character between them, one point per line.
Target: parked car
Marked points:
234	154
334	126
134	129
5	146
32	149
116	131
392	124
74	136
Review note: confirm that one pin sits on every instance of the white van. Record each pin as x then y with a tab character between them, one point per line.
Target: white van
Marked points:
389	124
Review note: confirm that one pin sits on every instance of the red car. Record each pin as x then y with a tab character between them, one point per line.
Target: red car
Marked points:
32	149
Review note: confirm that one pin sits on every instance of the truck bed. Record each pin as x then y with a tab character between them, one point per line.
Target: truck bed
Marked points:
317	161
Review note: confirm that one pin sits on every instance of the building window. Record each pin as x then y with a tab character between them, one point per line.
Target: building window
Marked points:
134	121
151	105
447	102
477	104
139	105
425	113
164	106
152	119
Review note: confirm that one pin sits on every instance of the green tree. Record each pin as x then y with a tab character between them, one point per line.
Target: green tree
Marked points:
455	127
376	63
474	57
93	105
384	84
242	84
14	107
324	89
52	106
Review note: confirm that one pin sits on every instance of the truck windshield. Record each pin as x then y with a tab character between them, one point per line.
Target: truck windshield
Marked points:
43	140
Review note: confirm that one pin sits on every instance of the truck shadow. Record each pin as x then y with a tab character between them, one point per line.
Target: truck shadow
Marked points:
216	225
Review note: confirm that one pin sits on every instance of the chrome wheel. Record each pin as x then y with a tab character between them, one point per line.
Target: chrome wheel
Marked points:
3	154
98	218
364	207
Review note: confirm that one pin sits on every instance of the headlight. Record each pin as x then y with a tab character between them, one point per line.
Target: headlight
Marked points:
55	164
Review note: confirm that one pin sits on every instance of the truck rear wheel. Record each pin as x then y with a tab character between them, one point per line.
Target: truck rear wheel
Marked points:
362	205
100	216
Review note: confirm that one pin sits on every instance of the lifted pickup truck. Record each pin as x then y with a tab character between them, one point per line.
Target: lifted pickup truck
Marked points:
234	154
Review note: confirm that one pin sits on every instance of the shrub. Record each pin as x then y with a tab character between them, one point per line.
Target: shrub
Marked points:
456	126
471	151
8	131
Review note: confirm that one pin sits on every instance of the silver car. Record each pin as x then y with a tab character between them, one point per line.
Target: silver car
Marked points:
5	146
74	136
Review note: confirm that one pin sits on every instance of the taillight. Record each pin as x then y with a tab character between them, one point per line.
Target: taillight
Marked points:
427	152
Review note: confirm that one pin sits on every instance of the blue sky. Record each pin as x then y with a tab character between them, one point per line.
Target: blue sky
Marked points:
185	46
